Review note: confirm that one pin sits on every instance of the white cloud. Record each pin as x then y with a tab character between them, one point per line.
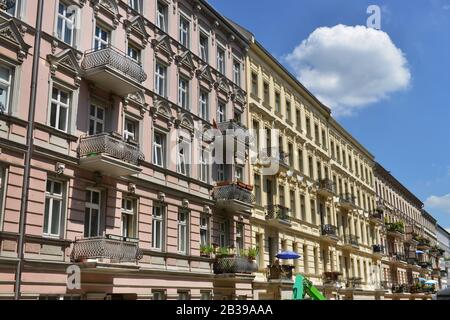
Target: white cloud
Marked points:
439	203
348	68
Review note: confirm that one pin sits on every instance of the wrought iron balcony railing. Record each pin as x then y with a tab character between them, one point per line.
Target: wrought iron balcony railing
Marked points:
234	191
230	265
115	249
114	58
329	230
275	211
332	277
352	240
376	215
378	248
327	185
112	145
348	199
280	272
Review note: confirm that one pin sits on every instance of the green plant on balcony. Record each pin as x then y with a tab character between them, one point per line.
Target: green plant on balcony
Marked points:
252	253
207	250
224	252
396	227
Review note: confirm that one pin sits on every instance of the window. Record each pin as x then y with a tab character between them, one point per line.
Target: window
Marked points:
159	149
5	88
298	119
204	165
288	110
221	60
184	32
256	133
135	5
204	230
206	295
266	93
130	130
316	134
277	102
183	93
302	207
158	227
254	84
183	295
134	54
12	8
128	217
239	238
281	195
221	172
308	127
183	231
159	294
292	202
65	24
204	47
59	112
257	183
101	38
53	208
311	167
223	234
92	214
96	120
160	80
161	16
221	112
183	158
324	140
300	161
204	105
237	72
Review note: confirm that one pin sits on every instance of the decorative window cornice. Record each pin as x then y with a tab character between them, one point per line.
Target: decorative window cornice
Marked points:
11	36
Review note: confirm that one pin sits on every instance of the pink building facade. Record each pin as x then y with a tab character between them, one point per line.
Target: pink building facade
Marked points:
119	186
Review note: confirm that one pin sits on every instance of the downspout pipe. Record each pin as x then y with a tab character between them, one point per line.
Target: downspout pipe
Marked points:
29	152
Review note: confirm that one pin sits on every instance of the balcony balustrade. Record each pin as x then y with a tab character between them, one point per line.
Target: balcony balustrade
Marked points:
378	249
270	158
109	154
332	278
280	272
234	197
326	188
376	216
354	283
108	249
348	201
234	265
278	214
113	70
329	233
352	241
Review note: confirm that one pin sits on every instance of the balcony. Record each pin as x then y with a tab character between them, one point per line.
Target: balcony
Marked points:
423	243
277	214
234	197
274	159
329	233
280	272
234	265
398	258
113	70
378	249
351	242
354	283
348	201
326	188
108	249
331	278
109	154
395	229
377	216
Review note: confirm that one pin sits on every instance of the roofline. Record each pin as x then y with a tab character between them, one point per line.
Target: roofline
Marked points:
443	229
428	215
382	171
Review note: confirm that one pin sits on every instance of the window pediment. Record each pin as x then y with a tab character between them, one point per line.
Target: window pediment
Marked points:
10	36
137	25
65	61
109	7
185	60
163	45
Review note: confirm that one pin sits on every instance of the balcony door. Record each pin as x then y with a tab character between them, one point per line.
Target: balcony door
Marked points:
269	191
92	214
96	120
102	38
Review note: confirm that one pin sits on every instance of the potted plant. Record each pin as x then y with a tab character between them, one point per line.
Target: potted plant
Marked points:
252	253
206	251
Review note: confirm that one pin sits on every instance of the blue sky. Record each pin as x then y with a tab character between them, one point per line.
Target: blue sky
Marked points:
408	129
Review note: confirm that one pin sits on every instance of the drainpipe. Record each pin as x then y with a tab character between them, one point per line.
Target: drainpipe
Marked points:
29	152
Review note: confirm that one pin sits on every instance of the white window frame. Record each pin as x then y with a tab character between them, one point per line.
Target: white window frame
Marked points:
67	24
220	172
97	121
134	53
158	223
159	148
204	50
127	215
161	79
204	165
6	86
204	105
16	7
162	17
131	135
221	112
183	158
240	230
223	234
99	42
53	197
183	93
93	206
204	230
237	72
184	34
221	65
59	105
133	3
183	231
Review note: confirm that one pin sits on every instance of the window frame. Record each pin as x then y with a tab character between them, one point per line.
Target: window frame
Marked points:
92	206
183	93
60	105
203	55
183	231
61	34
7	86
161	79
161	219
53	197
96	120
184	34
99	43
220	61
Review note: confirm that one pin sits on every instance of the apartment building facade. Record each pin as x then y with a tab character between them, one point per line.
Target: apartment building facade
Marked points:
409	240
119	186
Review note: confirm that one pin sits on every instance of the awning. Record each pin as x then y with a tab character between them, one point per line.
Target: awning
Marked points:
287	255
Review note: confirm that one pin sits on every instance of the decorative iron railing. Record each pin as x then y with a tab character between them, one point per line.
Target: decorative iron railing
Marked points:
280	272
279	212
332	277
114	58
348	198
112	145
378	248
116	250
271	154
234	192
352	240
329	230
327	185
376	215
224	265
